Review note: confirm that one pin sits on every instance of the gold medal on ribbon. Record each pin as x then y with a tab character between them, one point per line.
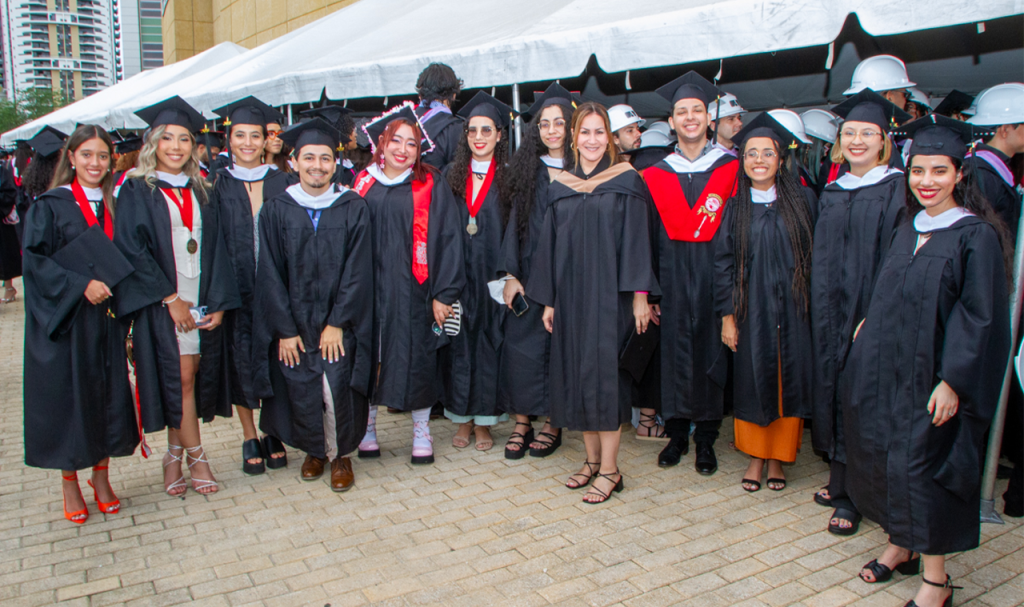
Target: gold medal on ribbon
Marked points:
192	246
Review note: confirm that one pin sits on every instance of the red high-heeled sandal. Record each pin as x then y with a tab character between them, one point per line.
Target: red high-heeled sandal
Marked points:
105	507
79	516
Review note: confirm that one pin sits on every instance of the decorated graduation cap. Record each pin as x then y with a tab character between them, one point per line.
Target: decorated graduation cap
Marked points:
954	103
311	132
172	111
332	114
868	106
375	127
555	94
485	105
690	85
935	135
249	110
767	126
47	142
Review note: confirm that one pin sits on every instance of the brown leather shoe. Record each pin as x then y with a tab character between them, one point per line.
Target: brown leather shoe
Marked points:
342	477
312	468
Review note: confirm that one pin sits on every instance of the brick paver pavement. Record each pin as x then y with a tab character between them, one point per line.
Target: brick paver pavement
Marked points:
473	529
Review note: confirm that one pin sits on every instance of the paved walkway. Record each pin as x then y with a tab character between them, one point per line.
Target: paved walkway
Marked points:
473	529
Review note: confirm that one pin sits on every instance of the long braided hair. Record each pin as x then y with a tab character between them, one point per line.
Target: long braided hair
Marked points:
792	206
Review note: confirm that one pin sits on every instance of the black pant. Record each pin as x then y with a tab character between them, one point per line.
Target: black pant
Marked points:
706	432
837	487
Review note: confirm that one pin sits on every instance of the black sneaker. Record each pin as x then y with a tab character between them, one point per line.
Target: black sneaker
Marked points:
677	447
706	463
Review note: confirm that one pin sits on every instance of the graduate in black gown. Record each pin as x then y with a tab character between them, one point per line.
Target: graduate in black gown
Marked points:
314	310
858	214
437	87
10	238
79	410
762	292
990	161
927	365
239	191
341	119
419	273
526	348
592	272
470	363
176	299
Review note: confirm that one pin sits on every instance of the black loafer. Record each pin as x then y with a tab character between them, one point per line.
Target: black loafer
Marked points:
251	449
706	463
677	447
272	445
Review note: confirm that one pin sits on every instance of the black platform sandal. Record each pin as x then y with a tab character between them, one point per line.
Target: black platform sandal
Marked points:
251	449
820	499
619	486
949	584
272	446
592	467
882	573
550	446
518	438
844	515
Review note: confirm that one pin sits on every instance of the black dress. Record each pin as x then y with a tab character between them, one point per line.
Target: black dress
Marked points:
526	348
851	239
78	402
776	328
470	363
231	197
310	278
142	230
10	239
403	307
594	253
938	315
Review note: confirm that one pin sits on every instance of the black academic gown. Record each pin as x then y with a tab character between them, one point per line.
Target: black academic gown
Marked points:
403	308
343	175
10	241
851	238
939	315
470	363
231	197
594	253
526	348
142	230
1003	197
78	402
445	130
309	279
642	158
691	364
776	328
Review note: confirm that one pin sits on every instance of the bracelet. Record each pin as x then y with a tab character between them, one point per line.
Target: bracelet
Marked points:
167	303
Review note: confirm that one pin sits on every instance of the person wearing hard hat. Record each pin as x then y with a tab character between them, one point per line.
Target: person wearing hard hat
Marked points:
795	125
918	103
689	189
726	114
655	144
1001	109
884	74
822	127
626	125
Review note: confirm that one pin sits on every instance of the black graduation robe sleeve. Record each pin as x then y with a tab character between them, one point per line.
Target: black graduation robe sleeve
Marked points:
725	262
133	234
636	273
445	259
219	287
272	304
353	301
510	248
541	286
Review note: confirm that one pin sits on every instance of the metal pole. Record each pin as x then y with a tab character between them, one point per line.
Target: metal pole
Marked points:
995	435
519	121
289	114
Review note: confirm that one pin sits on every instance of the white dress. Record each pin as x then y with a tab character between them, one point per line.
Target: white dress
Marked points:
187	265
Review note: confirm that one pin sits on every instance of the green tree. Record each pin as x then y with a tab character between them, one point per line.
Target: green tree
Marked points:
31	104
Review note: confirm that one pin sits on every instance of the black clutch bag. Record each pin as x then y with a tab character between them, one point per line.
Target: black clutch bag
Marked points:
639	349
92	254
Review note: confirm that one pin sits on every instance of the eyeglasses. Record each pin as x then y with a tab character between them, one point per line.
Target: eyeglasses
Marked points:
272	134
485	131
754	154
545	125
864	135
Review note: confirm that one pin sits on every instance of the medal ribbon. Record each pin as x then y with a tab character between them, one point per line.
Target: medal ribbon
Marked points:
90	215
184	208
474	205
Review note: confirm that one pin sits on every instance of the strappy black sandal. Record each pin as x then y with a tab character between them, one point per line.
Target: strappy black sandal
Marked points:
592	467
843	514
883	573
251	449
650	422
754	485
780	484
523	441
271	446
550	446
949	584
619	486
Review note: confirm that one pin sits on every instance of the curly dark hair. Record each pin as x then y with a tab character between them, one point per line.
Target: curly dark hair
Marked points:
522	170
39	173
458	171
792	205
438	82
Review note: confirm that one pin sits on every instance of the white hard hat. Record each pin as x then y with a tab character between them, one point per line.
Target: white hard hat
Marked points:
652	138
879	73
660	126
792	121
918	96
622	115
1001	104
822	124
972	110
730	107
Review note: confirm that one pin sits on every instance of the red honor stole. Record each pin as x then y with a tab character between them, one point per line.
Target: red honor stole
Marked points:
90	216
184	208
474	205
697	223
421	191
833	173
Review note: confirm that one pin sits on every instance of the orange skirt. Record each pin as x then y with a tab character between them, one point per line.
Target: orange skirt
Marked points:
778	440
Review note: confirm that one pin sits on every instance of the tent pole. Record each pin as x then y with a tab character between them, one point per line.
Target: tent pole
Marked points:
289	114
519	121
995	435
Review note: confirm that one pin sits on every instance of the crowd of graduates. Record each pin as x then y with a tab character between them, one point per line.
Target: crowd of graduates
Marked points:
846	268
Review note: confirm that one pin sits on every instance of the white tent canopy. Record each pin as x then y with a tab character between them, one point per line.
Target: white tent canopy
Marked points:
95	109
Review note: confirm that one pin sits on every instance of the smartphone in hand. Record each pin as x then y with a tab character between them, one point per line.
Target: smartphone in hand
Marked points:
519	305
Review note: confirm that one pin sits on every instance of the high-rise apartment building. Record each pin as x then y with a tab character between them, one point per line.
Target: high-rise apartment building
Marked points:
138	36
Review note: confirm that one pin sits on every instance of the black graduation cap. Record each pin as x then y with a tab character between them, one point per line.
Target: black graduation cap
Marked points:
375	128
555	94
209	137
332	114
311	132
483	104
172	111
766	126
249	111
128	144
868	106
935	135
954	103
47	142
690	85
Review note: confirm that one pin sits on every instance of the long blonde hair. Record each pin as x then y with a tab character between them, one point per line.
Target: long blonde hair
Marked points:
145	166
64	174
